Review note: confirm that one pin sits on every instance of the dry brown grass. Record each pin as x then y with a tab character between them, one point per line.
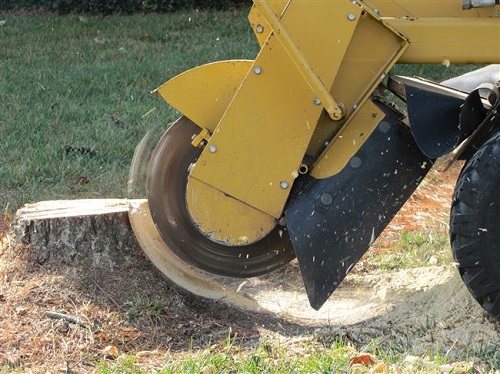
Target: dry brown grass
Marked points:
132	309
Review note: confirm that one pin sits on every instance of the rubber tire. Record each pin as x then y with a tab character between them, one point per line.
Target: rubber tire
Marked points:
475	225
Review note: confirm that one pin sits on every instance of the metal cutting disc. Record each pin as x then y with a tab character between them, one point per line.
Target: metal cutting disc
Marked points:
178	271
166	190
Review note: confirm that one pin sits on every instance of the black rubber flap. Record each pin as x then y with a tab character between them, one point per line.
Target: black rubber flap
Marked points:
434	114
485	120
332	222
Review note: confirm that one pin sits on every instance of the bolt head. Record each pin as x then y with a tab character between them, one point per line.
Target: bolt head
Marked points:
212	148
355	162
384	127
351	16
326	199
259	29
316	101
284	185
257	70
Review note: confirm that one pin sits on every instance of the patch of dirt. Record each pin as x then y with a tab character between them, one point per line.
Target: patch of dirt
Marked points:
427	209
133	309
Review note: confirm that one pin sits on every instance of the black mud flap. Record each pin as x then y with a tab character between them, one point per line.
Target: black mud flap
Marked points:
434	114
482	114
442	117
332	222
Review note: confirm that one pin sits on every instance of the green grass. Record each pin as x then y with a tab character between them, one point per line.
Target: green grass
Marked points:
85	82
66	81
415	249
309	356
62	78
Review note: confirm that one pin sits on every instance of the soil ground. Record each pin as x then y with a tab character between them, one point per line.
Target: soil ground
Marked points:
135	310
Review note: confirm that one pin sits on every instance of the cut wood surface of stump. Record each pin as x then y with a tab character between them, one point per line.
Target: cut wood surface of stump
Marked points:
93	233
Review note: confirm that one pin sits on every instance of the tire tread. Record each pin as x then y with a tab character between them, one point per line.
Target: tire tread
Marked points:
471	200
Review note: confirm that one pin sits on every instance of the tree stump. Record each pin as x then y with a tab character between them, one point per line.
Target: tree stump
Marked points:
97	235
88	233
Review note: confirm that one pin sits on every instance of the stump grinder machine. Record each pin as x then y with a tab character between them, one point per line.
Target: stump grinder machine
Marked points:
309	150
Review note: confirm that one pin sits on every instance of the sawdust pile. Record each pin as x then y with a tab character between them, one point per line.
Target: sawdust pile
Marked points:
428	310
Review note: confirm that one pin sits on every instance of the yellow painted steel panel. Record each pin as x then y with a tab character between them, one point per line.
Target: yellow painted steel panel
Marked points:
261	140
251	148
359	74
348	141
373	50
451	40
322	32
259	24
231	222
428	8
202	94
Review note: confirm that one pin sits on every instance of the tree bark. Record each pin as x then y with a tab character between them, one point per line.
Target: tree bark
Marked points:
93	233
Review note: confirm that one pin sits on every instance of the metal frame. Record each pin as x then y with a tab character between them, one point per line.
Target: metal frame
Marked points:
309	86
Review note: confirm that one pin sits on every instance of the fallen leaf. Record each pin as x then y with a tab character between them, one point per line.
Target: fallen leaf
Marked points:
62	326
457	367
102	336
210	369
110	352
413	360
21	310
364	359
146	353
396	369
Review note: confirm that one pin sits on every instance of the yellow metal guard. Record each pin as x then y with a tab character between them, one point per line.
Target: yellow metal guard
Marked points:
309	86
